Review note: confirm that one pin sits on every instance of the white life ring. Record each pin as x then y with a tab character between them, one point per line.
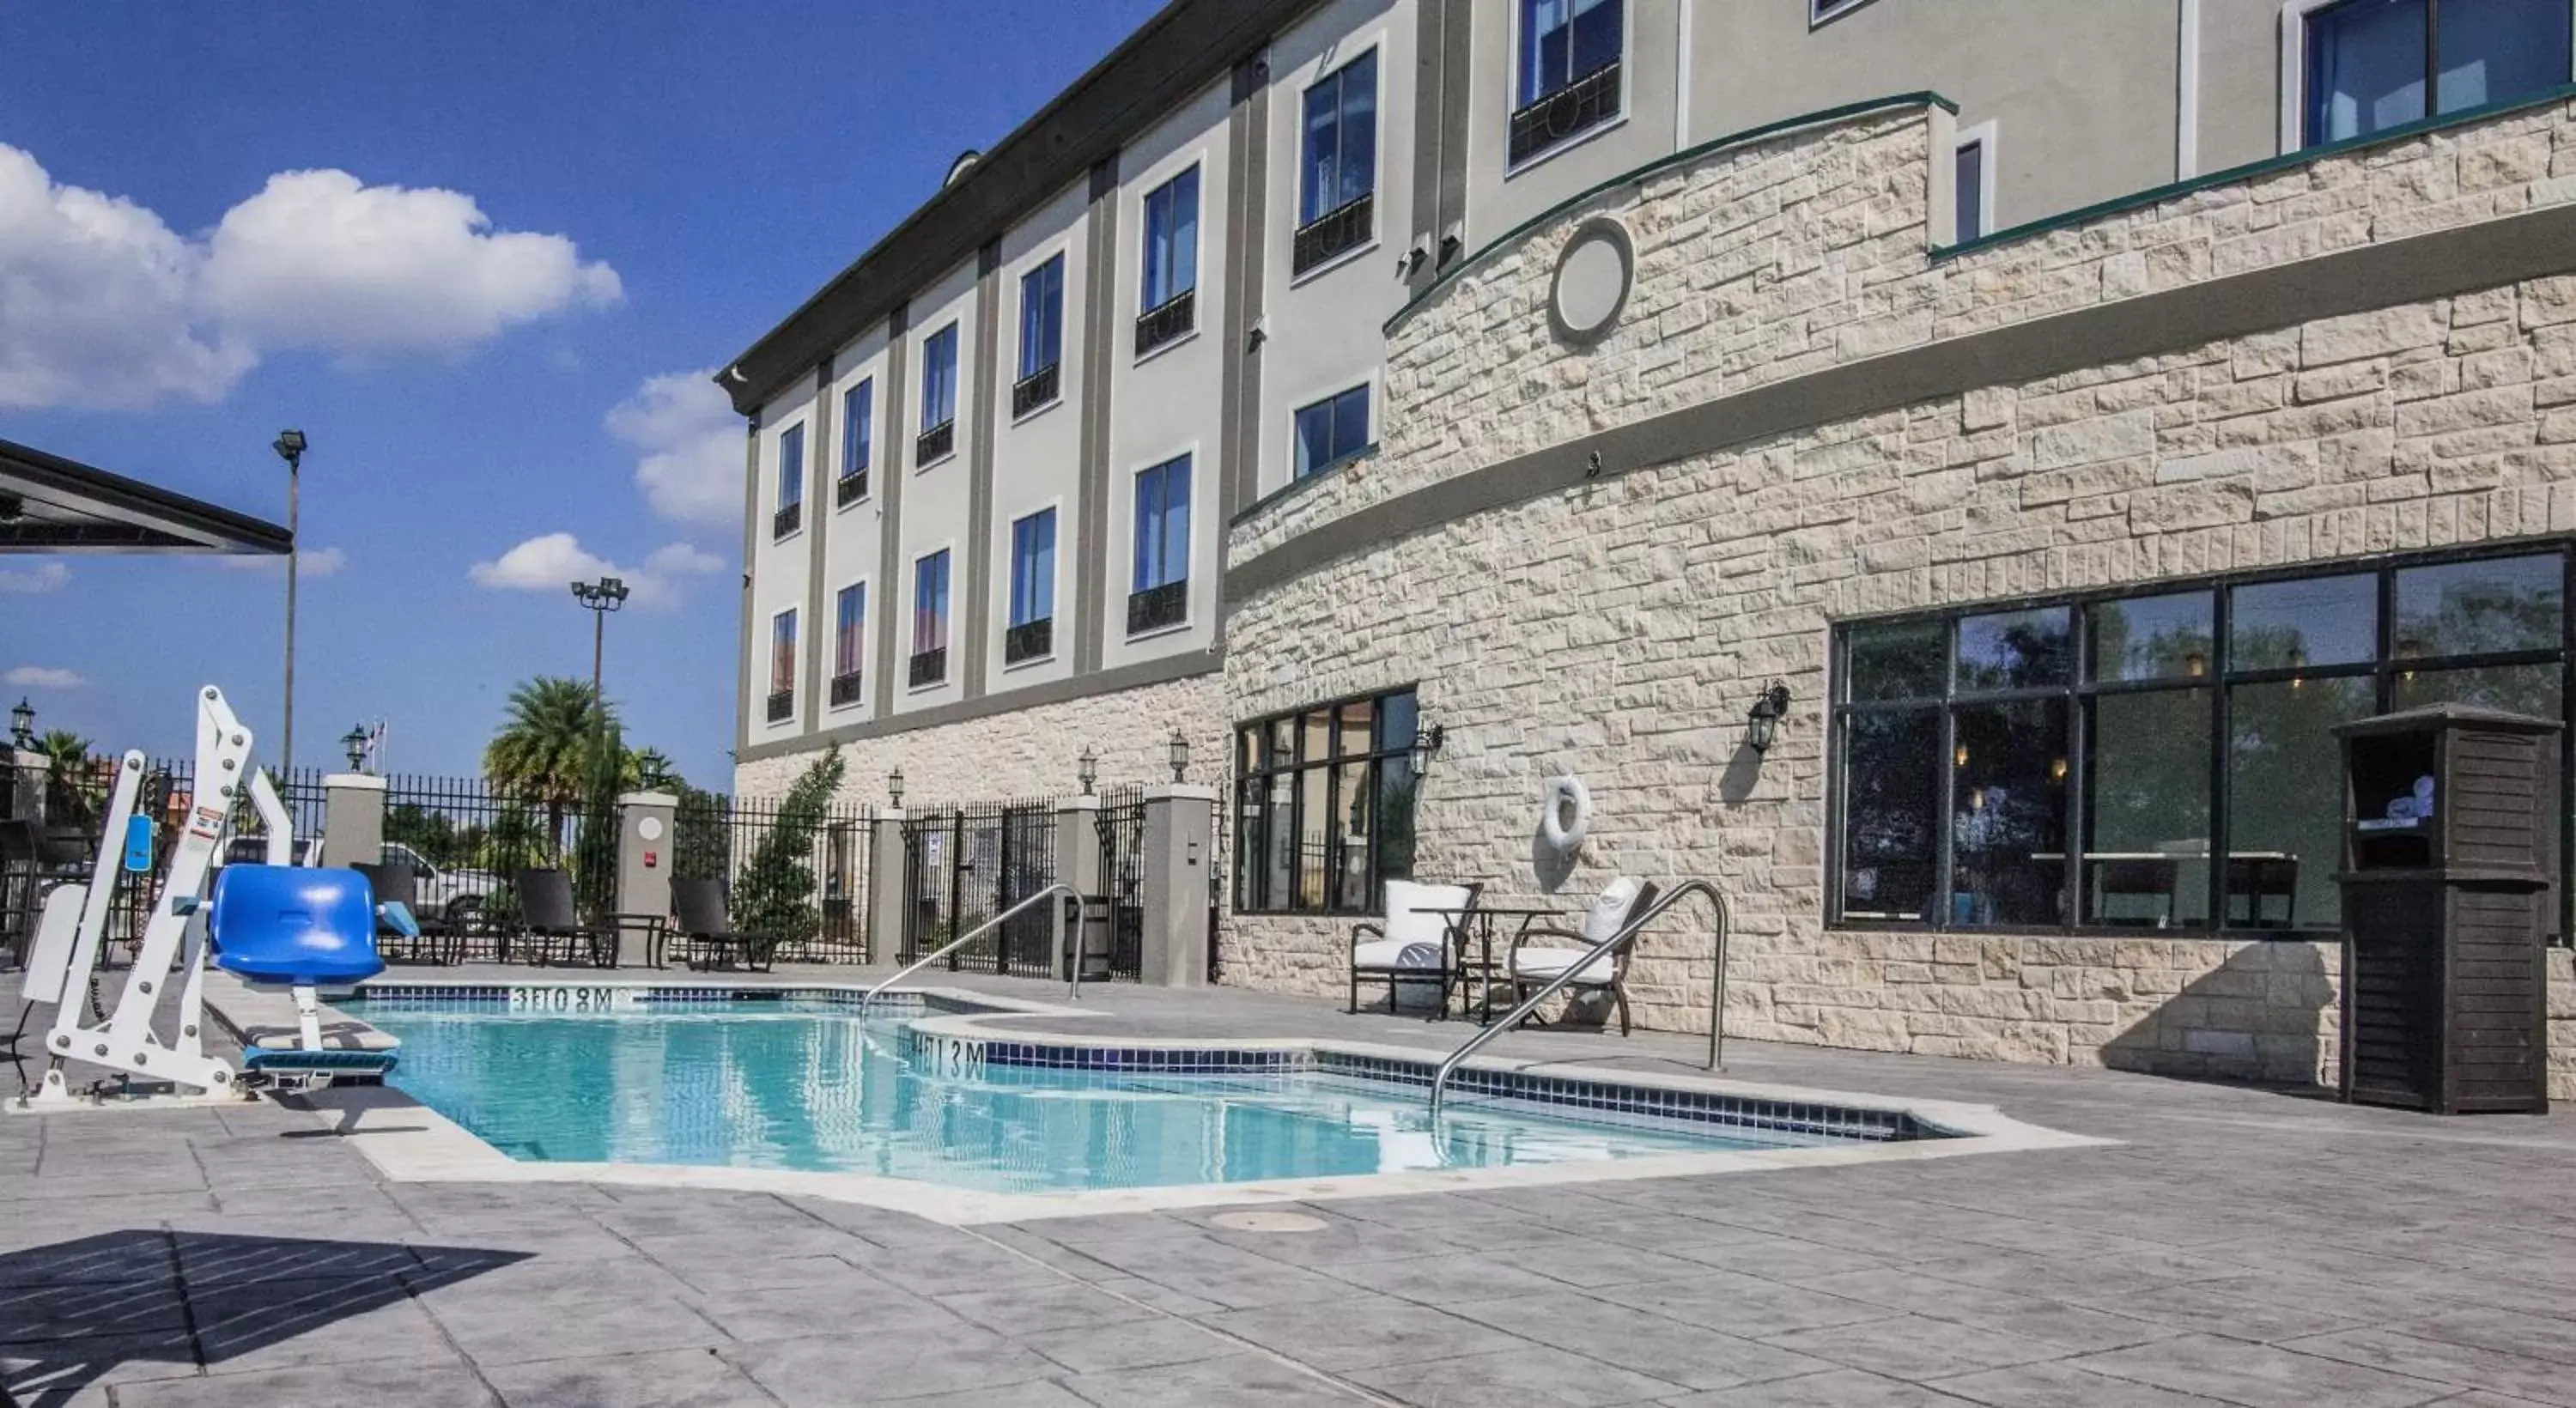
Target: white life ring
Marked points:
1569	814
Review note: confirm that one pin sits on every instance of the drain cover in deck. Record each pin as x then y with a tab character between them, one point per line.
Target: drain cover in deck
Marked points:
1258	1221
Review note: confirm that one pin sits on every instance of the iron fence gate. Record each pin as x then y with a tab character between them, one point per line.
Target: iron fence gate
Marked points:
963	866
1121	824
467	840
798	876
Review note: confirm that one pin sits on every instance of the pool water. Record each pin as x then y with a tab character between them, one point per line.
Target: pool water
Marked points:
811	1087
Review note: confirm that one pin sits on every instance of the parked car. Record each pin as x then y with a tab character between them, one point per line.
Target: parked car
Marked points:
253	850
455	893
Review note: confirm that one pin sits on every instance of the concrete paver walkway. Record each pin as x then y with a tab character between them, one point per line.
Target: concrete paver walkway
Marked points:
2239	1247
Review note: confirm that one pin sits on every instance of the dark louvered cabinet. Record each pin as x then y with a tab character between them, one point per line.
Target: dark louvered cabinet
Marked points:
2450	862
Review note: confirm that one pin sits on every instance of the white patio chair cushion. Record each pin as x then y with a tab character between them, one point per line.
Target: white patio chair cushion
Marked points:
1387	953
1609	911
1406	919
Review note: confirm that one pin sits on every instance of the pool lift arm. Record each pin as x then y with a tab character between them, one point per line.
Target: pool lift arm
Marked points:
73	927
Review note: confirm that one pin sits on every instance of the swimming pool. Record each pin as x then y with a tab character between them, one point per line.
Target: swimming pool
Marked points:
806	1085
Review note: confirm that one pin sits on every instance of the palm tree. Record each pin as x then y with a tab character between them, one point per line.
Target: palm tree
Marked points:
72	790
549	736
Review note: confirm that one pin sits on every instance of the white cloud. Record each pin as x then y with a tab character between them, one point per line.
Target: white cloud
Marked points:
691	471
552	562
44	677
102	304
312	562
44	576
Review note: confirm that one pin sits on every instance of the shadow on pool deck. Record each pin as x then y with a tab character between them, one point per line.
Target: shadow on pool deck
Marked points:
74	1312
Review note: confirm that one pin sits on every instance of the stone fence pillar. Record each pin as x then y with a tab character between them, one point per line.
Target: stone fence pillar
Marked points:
353	819
1077	863
1180	854
889	888
647	825
22	792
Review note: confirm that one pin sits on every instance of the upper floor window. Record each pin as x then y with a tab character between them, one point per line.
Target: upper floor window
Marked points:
930	619
858	437
2369	64
1972	188
782	666
2165	760
849	642
1041	337
1819	11
791	482
1171	273
1337	179
1332	430
1032	622
1568	73
938	397
1160	595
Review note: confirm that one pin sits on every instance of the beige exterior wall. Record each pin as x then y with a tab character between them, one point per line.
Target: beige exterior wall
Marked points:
1618	631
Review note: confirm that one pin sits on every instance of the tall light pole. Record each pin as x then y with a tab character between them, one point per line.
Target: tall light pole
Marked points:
290	448
599	598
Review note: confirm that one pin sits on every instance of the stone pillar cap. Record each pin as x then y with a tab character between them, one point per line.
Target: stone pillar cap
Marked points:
1181	791
355	782
647	799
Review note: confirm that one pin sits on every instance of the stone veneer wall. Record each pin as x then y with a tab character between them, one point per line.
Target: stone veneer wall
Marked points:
1028	753
1618	631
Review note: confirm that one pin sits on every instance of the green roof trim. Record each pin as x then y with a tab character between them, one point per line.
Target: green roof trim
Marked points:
1662	163
2288	161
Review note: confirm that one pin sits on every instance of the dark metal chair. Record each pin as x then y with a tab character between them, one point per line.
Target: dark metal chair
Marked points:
702	920
548	915
395	882
1414	944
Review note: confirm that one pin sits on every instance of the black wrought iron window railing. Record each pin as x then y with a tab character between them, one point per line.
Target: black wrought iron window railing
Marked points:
1174	317
852	488
1030	640
936	443
788	519
929	666
1569	112
1036	389
846	688
782	705
1156	607
1334	233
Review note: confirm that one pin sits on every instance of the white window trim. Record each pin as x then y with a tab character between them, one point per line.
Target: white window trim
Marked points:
913	593
921	384
1189	540
867	624
778	467
1055	587
1627	93
876	441
1981	136
796	645
1060	249
1326	65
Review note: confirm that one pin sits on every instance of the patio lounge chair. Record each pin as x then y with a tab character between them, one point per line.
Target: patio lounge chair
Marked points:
1413	945
424	941
1618	905
702	920
548	915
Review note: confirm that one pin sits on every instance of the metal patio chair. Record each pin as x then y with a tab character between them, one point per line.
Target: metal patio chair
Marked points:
1534	966
1414	943
548	915
703	922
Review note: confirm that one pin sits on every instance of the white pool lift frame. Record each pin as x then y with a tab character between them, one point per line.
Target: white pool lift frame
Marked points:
73	929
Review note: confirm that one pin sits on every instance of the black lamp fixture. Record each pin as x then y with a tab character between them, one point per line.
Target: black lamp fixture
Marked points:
1762	722
1426	746
1180	749
354	743
289	445
1087	769
894	785
22	724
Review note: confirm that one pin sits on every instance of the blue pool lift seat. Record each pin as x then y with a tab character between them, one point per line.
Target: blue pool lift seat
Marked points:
298	925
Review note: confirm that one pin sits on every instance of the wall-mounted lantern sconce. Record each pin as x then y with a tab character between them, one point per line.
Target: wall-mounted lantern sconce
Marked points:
1180	755
1087	769
894	785
1426	746
1762	722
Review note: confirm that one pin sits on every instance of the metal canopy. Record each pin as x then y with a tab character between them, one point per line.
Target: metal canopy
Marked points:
50	504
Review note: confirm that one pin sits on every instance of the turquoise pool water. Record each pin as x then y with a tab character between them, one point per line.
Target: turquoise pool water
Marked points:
808	1086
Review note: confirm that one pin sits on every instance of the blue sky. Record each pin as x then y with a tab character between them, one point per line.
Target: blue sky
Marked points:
658	183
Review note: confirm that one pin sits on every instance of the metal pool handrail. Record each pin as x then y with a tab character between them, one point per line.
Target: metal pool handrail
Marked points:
961	941
1628	932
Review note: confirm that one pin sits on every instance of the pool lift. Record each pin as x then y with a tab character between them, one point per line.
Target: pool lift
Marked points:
272	925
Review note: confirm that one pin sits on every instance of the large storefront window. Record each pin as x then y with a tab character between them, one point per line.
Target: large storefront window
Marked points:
2159	760
1324	800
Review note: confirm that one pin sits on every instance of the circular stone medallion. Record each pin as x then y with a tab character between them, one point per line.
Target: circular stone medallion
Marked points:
1593	275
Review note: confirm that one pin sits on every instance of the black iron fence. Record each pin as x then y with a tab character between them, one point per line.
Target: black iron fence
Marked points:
966	865
1121	826
467	838
800	877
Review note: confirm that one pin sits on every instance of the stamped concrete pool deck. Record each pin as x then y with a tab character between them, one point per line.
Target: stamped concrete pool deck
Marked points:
2237	1246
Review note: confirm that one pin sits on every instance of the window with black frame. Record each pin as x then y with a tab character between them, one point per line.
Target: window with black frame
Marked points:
1324	806
2160	759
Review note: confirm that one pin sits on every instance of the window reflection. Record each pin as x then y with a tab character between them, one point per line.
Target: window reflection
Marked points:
2517	689
1891	808
1895	660
1325	809
2285	812
2479	608
2150	638
2008	814
2016	649
2146	809
2316	621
